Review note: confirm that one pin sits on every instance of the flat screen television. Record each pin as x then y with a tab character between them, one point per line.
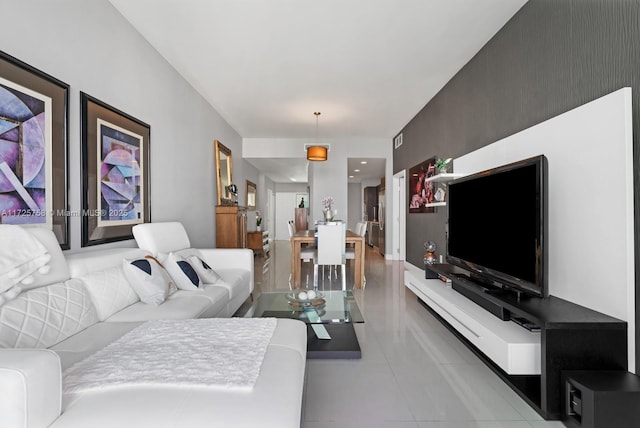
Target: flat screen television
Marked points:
497	226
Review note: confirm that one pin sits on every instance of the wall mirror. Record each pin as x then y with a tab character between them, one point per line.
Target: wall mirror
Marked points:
223	170
251	195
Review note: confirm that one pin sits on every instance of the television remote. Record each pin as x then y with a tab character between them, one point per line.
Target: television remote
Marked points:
526	324
531	326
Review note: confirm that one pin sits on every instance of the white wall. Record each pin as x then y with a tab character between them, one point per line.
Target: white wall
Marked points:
329	179
265	187
285	211
591	248
90	46
291	187
354	197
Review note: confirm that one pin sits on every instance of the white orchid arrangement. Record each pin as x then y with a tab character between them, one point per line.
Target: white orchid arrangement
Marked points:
258	218
327	202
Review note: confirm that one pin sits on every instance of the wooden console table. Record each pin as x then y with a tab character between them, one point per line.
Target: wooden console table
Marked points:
301	218
258	242
307	237
231	226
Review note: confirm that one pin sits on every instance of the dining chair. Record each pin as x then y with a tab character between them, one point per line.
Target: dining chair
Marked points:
361	229
356	230
330	251
306	253
350	252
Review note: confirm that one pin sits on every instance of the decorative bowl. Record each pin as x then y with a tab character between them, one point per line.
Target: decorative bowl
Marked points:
296	302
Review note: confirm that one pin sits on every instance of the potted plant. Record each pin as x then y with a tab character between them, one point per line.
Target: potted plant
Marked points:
258	221
442	164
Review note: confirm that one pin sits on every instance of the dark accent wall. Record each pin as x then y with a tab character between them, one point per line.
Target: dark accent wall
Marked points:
552	56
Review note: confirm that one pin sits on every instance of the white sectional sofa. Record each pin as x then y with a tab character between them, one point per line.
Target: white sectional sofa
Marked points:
84	304
235	266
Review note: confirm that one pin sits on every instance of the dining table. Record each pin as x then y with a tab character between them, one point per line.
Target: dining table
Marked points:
308	237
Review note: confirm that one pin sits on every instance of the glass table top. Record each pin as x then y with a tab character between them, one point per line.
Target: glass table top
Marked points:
328	307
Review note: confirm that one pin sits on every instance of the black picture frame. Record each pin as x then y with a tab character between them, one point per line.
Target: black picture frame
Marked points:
25	82
122	199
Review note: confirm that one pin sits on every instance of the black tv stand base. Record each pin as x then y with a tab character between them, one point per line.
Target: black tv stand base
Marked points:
572	337
494	291
492	288
477	294
478	290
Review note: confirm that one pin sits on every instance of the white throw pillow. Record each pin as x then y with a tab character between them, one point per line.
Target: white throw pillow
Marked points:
149	279
110	291
182	273
204	271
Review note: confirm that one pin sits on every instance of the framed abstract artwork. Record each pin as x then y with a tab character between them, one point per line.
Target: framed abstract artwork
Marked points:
115	172
422	192
34	110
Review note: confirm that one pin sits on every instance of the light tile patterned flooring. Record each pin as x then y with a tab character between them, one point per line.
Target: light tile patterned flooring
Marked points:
413	373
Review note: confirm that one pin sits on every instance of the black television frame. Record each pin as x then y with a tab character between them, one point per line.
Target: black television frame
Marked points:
494	278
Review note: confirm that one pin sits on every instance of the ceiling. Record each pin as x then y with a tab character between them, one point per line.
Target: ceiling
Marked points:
368	65
360	169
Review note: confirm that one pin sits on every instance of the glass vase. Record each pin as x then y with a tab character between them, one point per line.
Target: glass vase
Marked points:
328	215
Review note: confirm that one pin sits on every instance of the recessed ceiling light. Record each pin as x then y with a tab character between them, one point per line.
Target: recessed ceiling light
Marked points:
356	170
351	176
293	179
363	162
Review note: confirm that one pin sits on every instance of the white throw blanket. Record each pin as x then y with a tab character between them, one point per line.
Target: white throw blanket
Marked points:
21	255
214	352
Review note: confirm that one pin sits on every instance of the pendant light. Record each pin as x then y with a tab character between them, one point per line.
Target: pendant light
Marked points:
317	152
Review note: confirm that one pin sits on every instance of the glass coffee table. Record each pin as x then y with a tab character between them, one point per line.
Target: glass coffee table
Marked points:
329	316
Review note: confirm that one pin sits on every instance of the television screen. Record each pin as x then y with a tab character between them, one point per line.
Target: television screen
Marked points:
497	225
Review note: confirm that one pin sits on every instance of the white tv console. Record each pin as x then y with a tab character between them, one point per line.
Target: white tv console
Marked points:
571	337
513	348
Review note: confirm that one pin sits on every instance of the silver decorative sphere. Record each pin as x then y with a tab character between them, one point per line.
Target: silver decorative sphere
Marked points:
430	246
430	255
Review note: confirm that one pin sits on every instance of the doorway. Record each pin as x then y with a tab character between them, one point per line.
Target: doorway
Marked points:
400	212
